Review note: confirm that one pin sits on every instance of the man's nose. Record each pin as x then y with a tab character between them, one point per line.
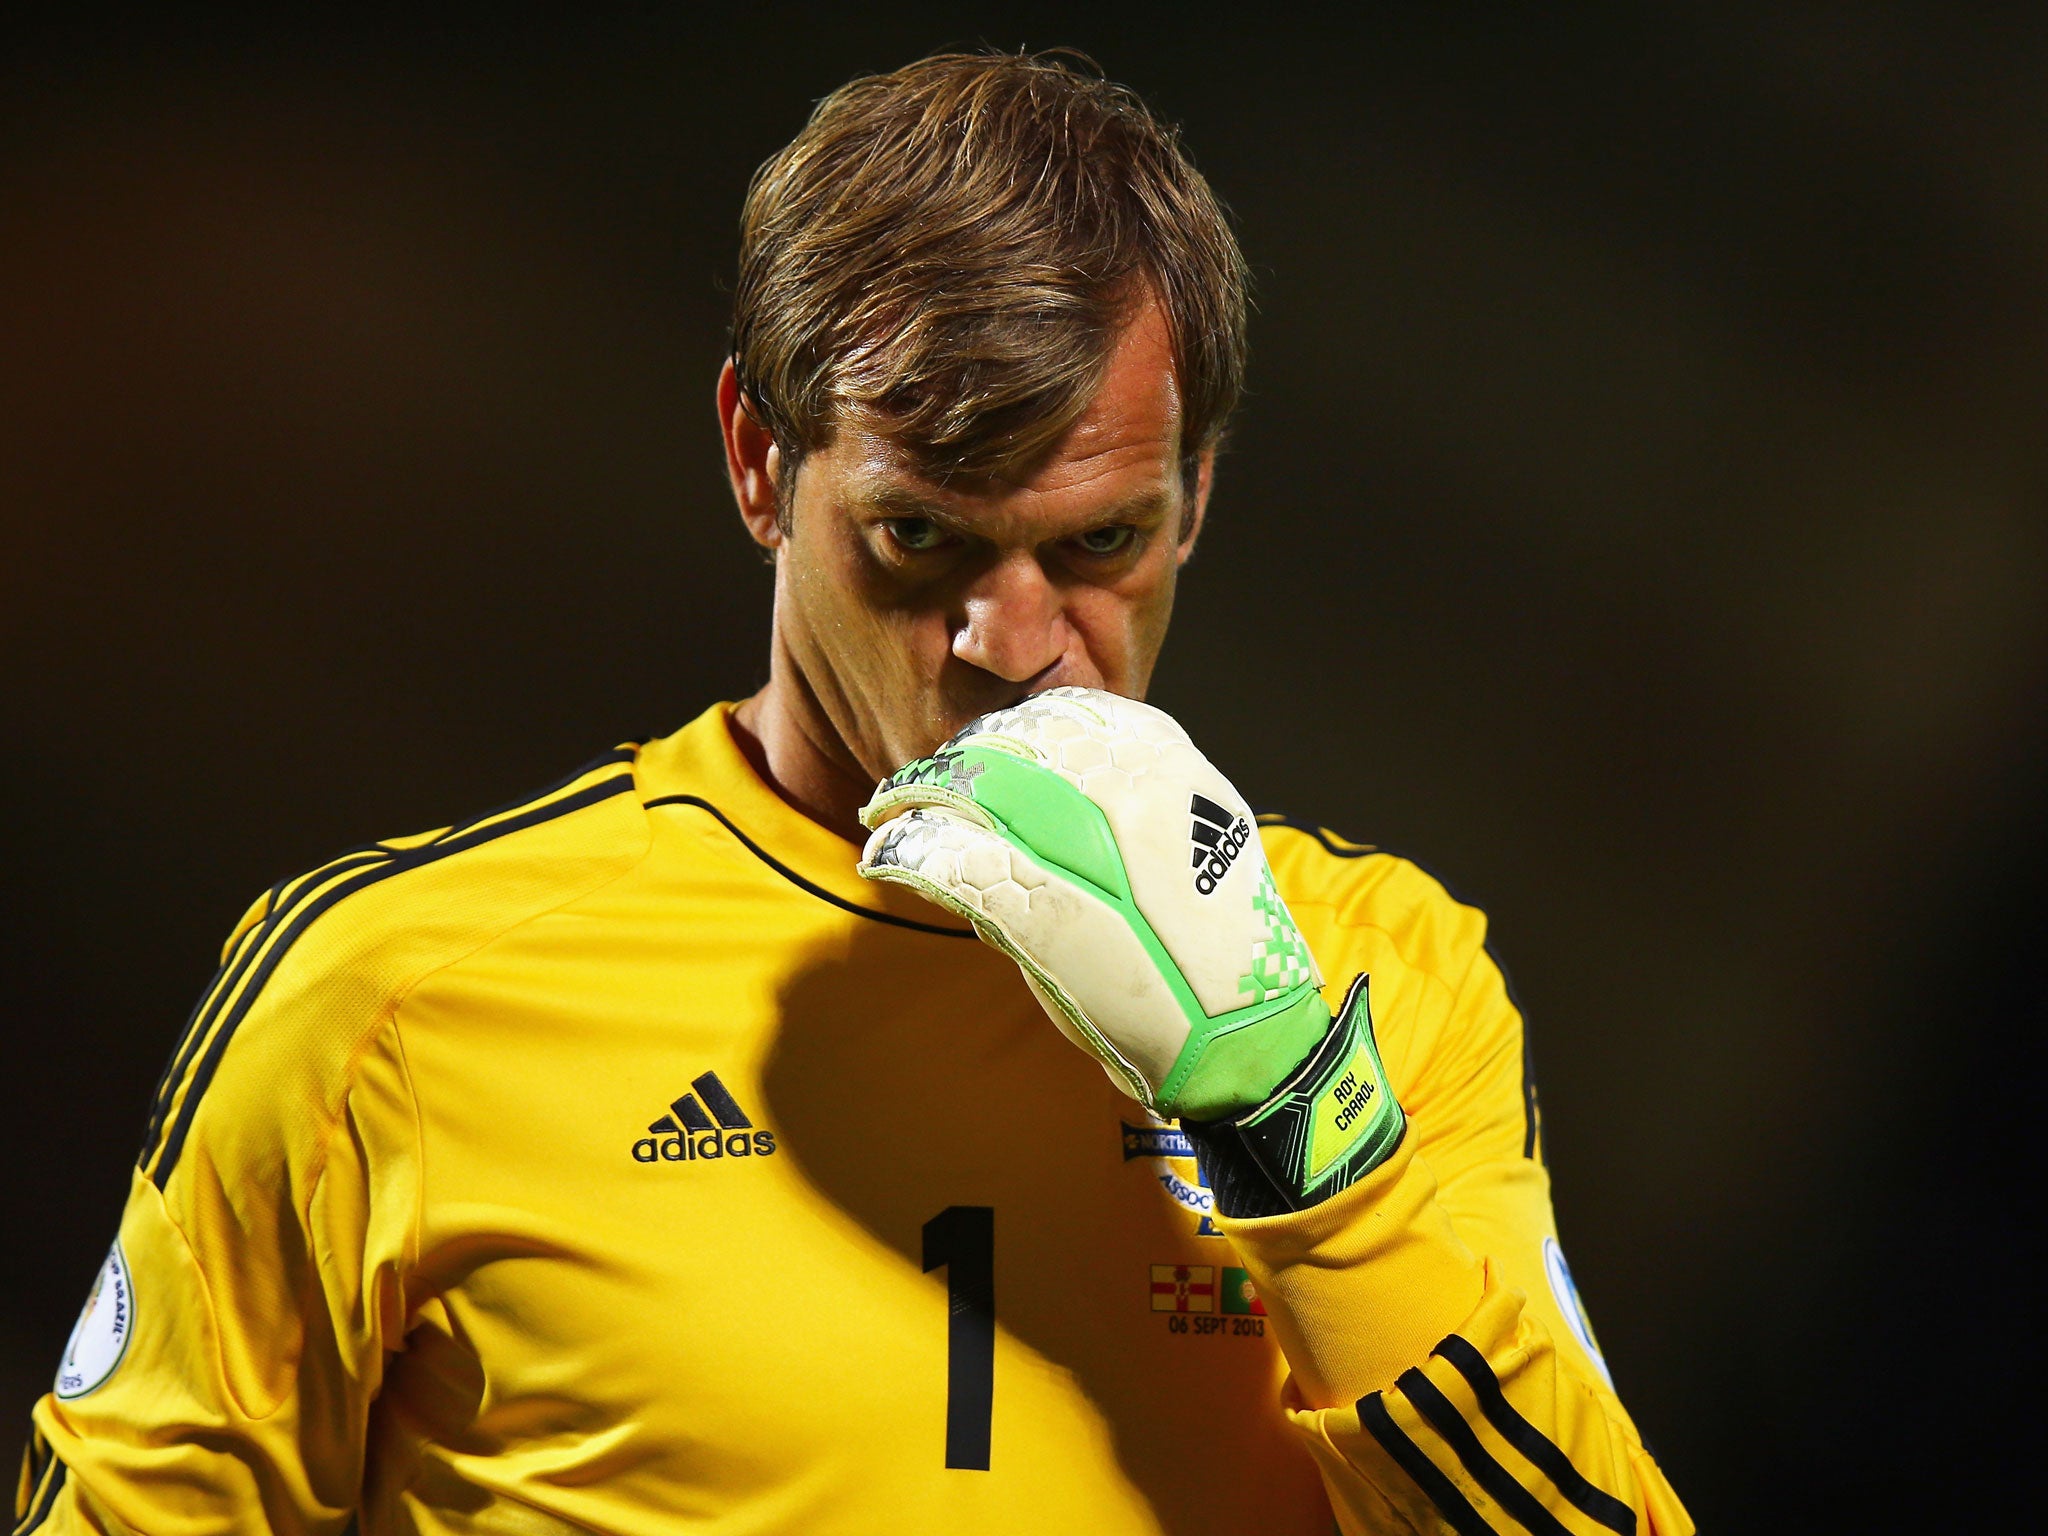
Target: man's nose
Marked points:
1014	622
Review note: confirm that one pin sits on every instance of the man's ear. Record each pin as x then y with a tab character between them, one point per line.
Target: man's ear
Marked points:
752	462
1191	523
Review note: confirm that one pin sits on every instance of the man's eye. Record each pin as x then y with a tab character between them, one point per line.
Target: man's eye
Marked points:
1106	541
916	534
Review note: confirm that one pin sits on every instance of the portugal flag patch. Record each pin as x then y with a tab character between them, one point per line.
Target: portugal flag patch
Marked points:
1238	1295
1183	1288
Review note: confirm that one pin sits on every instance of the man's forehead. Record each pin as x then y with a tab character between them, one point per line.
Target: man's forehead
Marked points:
1123	449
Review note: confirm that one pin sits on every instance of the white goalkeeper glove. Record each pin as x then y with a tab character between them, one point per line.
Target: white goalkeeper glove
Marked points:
1084	836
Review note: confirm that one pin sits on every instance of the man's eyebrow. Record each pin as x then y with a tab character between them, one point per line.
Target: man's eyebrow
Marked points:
902	501
1157	502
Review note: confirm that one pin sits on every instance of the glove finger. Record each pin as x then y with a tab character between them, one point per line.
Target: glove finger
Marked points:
926	848
1051	927
928	788
964	867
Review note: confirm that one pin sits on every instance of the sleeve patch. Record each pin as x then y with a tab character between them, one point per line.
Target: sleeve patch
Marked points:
99	1340
1566	1294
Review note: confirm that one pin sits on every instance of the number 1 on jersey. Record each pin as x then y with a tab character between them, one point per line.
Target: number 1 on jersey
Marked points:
963	1238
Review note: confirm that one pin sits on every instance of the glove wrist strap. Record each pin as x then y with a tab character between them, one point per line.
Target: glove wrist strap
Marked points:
1330	1123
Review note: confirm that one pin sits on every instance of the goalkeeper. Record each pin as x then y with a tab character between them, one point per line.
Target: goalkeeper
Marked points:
663	1152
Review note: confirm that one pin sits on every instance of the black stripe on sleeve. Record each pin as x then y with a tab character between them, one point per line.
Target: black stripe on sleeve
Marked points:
1543	1453
36	1461
617	757
283	898
1443	1493
44	1454
289	893
311	911
800	882
1443	1415
286	896
39	1511
195	1029
253	945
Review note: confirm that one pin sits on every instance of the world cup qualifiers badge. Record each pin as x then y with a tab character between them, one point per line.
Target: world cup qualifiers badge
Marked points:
99	1341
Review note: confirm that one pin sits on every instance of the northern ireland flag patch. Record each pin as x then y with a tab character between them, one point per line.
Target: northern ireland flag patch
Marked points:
1183	1288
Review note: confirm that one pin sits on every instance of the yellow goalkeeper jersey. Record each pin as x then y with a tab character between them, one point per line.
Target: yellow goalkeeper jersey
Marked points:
621	1162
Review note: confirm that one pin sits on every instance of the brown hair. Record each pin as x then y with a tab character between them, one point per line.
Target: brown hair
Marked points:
954	247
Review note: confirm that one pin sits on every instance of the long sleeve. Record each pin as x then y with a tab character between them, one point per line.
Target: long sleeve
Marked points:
1427	1383
222	1374
230	1370
1443	1372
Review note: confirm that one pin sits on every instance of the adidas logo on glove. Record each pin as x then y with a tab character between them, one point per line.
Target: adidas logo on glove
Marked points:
687	1135
1218	839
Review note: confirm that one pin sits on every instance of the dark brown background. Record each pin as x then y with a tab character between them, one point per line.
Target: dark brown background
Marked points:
1638	516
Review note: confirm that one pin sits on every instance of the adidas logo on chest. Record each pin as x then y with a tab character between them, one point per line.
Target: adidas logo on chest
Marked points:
688	1134
1218	837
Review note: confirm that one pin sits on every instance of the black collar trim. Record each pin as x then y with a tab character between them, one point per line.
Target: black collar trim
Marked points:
801	883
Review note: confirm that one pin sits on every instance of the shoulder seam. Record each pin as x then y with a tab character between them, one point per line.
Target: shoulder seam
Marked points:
387	1021
390	1020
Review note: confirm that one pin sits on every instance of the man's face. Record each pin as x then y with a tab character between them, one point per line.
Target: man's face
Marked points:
908	607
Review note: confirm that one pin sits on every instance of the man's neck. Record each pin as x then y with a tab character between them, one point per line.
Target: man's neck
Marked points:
784	733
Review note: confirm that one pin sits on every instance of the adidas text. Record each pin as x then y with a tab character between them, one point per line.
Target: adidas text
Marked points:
712	1144
1218	837
687	1134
